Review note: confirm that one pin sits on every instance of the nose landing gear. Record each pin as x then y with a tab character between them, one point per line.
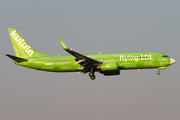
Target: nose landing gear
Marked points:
158	72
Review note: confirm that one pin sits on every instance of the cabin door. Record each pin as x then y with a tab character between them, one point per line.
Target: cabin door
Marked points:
155	58
39	64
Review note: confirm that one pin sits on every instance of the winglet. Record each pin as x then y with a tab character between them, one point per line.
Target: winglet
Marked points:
63	45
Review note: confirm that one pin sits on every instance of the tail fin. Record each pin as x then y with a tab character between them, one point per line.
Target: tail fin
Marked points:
21	48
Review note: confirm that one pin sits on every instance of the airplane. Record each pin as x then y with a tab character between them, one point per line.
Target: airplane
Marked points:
106	64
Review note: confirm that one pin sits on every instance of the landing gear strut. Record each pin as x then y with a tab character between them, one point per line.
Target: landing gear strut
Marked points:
91	74
158	72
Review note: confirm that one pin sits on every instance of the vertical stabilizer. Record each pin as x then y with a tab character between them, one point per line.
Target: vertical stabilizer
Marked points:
21	47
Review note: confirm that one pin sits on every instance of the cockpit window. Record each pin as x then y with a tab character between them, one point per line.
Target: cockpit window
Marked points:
164	56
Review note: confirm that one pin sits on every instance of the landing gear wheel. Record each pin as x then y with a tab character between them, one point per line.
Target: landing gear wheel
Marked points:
93	77
91	74
158	72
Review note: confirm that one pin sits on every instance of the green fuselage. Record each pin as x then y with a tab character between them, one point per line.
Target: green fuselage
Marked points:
138	60
107	64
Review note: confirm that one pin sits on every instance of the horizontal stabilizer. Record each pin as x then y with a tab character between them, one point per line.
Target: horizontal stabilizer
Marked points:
16	58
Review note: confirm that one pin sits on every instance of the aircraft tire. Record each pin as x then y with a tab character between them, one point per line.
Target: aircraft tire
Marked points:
93	77
158	72
91	74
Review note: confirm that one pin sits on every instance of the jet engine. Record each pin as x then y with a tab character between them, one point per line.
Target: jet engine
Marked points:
111	66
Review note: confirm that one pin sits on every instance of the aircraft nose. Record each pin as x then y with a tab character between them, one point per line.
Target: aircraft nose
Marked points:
173	61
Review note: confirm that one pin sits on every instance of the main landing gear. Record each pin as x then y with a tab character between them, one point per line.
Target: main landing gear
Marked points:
158	72
91	74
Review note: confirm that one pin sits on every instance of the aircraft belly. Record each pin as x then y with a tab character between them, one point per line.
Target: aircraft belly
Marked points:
128	65
138	65
67	69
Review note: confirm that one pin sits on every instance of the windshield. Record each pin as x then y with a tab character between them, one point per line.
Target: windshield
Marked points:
165	56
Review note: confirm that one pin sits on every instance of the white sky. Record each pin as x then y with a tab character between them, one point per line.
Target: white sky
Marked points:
91	27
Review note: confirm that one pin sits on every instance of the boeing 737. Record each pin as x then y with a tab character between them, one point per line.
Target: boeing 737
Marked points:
106	64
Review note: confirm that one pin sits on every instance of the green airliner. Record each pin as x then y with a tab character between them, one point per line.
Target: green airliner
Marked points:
107	64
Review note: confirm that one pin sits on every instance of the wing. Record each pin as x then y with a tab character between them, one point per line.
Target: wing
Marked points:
83	60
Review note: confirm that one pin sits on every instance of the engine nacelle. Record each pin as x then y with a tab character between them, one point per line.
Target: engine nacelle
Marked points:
109	73
111	66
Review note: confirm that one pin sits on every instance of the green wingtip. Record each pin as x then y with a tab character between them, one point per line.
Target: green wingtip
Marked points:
63	44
